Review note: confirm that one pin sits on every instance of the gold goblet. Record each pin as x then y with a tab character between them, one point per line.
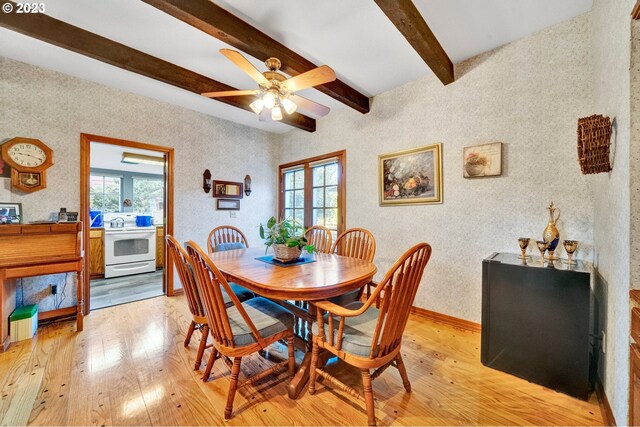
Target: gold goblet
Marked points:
524	243
570	246
542	247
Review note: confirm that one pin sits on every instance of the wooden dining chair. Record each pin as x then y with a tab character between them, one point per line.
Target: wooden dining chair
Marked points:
367	337
355	243
196	307
226	237
242	329
320	237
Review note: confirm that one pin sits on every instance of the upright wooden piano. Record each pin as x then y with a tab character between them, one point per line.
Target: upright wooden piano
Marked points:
35	250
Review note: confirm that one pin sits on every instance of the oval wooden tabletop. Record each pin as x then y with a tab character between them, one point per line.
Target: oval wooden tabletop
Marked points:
330	275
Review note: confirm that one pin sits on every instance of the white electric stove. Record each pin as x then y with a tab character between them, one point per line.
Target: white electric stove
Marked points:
128	249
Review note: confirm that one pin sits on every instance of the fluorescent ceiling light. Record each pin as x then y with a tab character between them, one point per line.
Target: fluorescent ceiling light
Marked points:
135	159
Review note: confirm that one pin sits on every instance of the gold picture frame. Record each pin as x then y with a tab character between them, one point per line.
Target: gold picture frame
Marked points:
411	177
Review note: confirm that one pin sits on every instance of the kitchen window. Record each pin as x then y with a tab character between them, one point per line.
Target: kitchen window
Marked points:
312	191
105	193
148	194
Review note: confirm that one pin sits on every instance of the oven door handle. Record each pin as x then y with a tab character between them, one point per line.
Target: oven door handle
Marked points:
131	232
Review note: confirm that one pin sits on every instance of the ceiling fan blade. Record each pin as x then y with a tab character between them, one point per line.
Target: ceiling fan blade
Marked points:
246	66
230	93
310	106
317	76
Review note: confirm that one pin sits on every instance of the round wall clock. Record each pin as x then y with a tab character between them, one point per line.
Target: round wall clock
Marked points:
29	159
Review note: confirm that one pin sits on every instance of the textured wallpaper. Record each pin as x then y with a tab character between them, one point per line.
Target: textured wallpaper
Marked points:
527	95
634	152
56	108
611	47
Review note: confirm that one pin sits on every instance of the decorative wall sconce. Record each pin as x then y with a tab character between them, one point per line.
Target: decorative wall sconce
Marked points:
206	181
247	185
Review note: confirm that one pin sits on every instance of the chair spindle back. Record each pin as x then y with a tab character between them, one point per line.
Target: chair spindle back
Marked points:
320	237
356	243
225	234
185	273
400	286
210	282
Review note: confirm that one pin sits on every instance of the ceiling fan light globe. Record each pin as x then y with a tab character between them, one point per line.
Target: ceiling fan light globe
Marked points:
289	106
269	100
257	106
276	114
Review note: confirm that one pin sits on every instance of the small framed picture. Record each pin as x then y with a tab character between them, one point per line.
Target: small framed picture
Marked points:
482	160
10	213
228	205
227	189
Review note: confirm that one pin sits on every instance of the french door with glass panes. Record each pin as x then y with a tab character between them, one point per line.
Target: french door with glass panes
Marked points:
312	191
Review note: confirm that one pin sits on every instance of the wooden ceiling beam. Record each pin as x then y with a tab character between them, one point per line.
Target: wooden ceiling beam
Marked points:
408	20
228	28
635	14
67	36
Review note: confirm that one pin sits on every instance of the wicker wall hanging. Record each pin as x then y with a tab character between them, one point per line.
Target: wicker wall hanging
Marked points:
594	144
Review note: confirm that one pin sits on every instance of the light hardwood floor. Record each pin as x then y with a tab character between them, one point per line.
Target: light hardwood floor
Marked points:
129	367
125	289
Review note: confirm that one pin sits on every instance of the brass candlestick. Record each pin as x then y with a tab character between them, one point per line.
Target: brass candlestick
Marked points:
524	243
542	247
570	246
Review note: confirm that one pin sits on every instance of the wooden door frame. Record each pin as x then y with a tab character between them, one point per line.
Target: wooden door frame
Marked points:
85	171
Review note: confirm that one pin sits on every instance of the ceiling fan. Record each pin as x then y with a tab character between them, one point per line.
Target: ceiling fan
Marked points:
276	91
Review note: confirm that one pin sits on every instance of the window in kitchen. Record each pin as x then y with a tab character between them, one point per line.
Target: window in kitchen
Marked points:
312	191
148	195
105	193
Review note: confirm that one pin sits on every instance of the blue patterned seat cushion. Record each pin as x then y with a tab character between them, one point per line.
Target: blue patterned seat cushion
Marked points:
268	317
229	246
358	331
243	294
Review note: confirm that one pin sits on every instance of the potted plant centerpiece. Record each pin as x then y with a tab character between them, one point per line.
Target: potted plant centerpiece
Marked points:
287	239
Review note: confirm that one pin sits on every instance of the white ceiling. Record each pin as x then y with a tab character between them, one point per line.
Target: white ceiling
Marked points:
355	38
109	156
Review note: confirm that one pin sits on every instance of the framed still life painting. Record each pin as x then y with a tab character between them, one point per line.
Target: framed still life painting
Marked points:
411	176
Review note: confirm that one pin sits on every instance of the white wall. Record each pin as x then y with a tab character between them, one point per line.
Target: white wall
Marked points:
611	49
56	108
528	95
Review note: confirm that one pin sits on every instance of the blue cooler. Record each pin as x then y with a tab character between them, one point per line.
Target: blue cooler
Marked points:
144	220
95	218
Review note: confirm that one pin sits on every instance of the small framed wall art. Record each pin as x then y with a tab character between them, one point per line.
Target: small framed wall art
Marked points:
411	176
227	189
10	213
228	204
482	160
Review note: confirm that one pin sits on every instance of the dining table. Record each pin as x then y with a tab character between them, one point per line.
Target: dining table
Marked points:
296	286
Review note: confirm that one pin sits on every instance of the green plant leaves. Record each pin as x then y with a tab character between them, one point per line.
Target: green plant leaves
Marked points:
271	222
285	232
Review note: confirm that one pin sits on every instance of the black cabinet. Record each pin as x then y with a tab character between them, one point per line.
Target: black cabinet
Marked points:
536	321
